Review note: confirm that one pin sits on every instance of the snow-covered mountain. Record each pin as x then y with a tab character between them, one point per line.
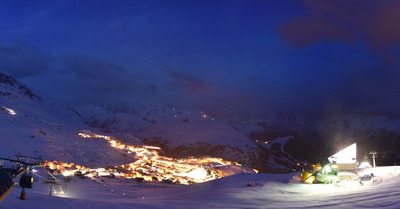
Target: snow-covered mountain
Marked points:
184	133
36	126
39	126
319	138
378	133
125	117
188	132
361	126
274	126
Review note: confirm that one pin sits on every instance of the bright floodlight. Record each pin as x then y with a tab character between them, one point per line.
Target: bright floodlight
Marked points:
197	174
348	155
10	111
327	168
364	164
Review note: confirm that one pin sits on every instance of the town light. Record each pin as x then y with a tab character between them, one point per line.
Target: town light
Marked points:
197	174
150	166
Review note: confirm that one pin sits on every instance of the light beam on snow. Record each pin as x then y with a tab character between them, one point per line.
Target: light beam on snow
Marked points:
365	165
10	111
347	155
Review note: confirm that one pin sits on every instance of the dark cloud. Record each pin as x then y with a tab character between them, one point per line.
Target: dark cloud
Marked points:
353	87
369	90
384	28
374	21
100	75
22	59
188	82
79	79
246	68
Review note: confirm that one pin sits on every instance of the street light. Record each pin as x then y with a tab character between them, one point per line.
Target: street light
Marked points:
373	153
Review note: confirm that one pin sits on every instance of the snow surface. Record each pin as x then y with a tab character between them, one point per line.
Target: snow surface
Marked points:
205	131
47	128
267	191
281	140
155	121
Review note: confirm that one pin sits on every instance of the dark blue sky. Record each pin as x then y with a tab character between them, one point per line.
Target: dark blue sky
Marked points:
308	57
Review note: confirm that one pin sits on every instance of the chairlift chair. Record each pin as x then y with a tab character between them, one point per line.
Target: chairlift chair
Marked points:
26	181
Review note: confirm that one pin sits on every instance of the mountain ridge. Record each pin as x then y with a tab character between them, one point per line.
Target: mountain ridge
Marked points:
252	141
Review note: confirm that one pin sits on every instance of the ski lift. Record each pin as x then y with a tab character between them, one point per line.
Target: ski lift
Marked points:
19	166
26	181
6	184
52	180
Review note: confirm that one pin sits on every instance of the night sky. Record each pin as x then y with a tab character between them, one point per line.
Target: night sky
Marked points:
221	56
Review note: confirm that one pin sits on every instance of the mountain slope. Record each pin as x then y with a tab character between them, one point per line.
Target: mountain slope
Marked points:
318	139
184	133
34	126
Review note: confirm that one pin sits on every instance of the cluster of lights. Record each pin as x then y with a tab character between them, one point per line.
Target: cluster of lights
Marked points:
150	166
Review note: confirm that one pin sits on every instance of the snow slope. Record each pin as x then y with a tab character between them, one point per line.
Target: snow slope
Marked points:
268	191
184	133
132	116
32	125
204	131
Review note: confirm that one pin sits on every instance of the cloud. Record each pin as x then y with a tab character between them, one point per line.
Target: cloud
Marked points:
376	22
188	82
355	87
23	60
99	75
384	28
369	90
303	32
85	80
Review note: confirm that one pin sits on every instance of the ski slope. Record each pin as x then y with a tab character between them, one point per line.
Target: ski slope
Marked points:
269	191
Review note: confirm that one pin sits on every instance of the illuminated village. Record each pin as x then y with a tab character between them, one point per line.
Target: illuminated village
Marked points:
150	166
124	185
